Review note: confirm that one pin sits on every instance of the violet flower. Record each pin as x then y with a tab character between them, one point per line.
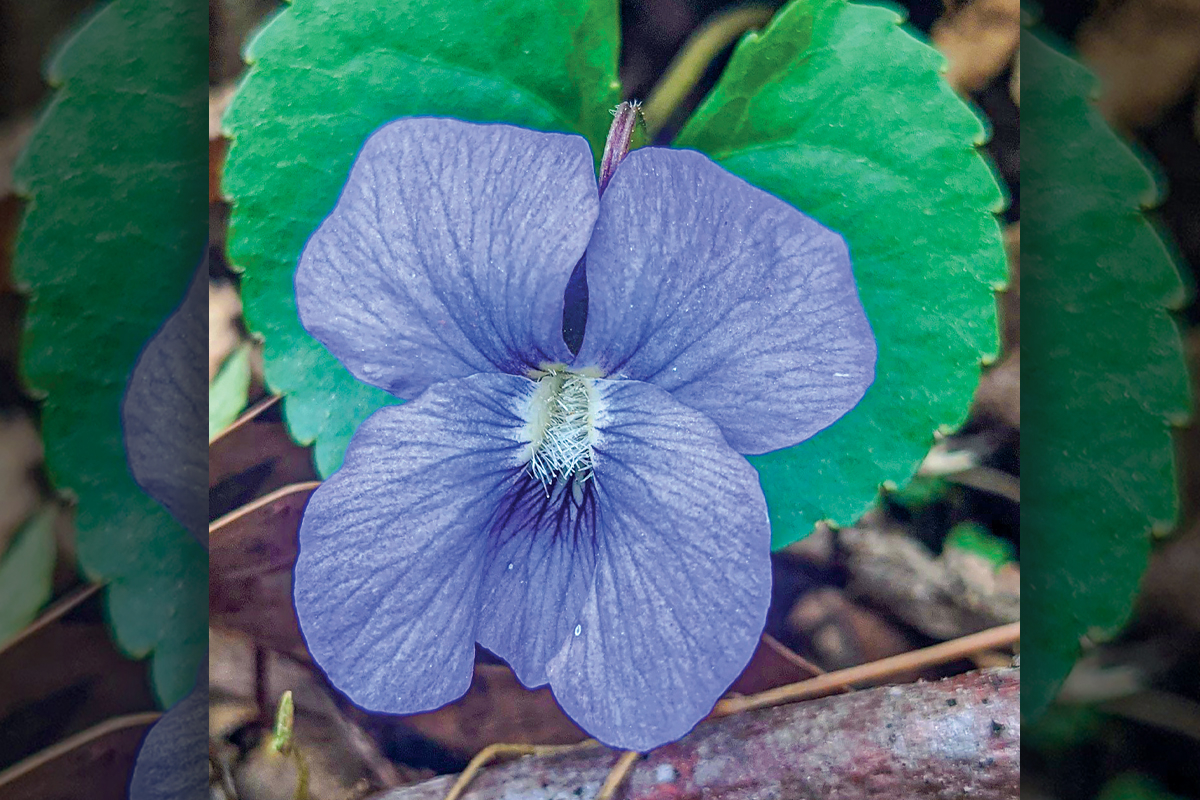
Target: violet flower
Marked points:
588	516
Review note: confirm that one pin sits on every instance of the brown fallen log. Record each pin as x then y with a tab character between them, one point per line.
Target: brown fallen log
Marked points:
955	738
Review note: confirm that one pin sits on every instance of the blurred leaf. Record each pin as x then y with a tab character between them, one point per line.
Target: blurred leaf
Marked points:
974	538
113	230
26	572
343	758
1105	369
772	665
1062	728
920	493
326	73
253	457
229	391
1135	787
838	110
1146	54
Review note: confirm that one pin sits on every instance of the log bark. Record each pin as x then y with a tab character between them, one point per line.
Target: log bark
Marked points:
955	738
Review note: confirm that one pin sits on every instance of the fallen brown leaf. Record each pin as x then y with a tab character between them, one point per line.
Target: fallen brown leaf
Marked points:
46	696
253	457
251	555
100	758
497	708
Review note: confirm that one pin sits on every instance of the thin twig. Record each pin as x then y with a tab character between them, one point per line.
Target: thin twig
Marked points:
942	653
617	774
218	525
992	481
245	417
494	751
793	657
1170	712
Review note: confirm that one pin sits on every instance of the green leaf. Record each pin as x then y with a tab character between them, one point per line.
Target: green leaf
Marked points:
1132	786
229	390
836	109
1104	370
325	74
974	538
1063	729
114	228
920	493
26	573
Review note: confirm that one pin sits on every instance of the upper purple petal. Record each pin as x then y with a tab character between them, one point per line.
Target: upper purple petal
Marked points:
392	545
448	252
727	297
682	576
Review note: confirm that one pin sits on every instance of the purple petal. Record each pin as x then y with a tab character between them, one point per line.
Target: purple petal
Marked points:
172	762
448	253
392	546
683	574
727	297
538	573
163	412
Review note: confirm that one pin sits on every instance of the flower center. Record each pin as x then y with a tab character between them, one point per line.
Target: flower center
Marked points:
561	427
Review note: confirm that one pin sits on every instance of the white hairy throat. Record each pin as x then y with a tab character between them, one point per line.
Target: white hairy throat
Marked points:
561	427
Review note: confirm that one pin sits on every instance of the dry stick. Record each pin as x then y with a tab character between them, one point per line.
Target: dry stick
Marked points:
494	751
1170	712
992	638
992	481
617	774
952	738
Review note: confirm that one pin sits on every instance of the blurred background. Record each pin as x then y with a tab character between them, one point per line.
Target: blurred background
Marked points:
937	560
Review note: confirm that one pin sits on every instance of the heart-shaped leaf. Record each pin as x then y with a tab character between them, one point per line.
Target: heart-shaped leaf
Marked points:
324	74
835	108
1104	363
114	227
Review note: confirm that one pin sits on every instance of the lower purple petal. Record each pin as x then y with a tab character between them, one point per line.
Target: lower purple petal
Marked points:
170	764
392	547
682	576
539	570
